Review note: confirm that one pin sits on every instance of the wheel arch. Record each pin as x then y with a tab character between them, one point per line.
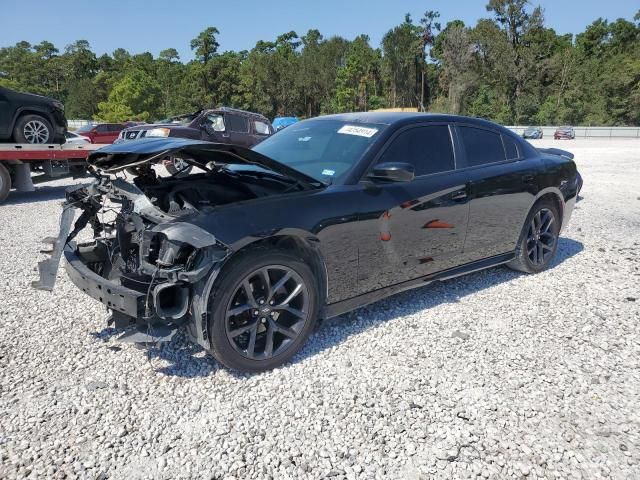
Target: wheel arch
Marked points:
302	243
553	194
31	110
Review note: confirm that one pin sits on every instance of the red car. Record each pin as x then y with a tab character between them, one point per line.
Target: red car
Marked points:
567	133
102	132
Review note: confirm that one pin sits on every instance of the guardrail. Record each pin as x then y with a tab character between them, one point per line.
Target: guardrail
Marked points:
76	124
588	132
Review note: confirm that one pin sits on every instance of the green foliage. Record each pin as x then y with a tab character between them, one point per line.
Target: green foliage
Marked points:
133	97
509	68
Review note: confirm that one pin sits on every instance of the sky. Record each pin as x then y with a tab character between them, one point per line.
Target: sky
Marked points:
140	26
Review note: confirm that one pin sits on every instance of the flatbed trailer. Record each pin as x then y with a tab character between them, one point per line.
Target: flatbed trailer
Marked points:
23	164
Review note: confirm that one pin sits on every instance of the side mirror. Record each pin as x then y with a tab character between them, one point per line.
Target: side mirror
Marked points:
393	172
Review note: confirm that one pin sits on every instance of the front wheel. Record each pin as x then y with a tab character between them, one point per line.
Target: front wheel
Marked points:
33	129
262	310
539	239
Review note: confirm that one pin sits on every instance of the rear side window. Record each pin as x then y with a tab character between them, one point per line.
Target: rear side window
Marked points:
115	127
481	146
261	128
427	148
511	148
236	123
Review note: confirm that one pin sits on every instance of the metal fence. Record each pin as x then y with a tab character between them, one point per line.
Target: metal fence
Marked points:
76	124
588	132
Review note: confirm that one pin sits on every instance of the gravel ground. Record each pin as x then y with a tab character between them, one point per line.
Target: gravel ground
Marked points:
497	374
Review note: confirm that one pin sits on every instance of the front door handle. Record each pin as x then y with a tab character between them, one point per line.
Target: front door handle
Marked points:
528	179
459	195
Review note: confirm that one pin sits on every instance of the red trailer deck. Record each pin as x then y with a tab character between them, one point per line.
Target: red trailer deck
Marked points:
18	161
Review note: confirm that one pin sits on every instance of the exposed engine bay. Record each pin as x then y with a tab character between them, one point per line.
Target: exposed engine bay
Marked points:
203	191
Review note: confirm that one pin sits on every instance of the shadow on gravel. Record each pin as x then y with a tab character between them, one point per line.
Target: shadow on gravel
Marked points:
42	194
422	298
189	360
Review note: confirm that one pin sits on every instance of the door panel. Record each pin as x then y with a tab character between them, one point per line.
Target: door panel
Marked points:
411	229
500	191
500	197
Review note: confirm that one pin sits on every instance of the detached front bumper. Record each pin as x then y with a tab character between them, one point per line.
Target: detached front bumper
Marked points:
116	297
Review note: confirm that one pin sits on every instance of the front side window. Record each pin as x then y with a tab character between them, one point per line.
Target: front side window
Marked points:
261	128
326	150
102	128
427	148
481	146
237	123
216	122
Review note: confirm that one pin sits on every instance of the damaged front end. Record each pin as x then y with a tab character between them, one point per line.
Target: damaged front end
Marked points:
146	259
141	262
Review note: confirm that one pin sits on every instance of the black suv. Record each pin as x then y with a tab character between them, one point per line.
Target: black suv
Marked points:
29	118
220	125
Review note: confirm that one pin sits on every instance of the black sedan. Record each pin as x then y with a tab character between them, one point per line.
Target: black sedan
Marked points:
255	246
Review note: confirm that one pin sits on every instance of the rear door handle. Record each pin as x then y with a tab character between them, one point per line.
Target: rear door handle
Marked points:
528	179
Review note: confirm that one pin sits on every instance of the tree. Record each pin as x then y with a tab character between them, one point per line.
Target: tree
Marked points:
135	97
205	45
400	47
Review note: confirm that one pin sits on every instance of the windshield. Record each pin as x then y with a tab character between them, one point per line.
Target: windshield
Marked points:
325	150
180	119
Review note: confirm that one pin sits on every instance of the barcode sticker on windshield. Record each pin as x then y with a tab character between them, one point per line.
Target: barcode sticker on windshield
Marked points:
359	131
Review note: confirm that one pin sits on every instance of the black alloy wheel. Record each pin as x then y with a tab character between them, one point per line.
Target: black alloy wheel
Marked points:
541	238
267	312
262	308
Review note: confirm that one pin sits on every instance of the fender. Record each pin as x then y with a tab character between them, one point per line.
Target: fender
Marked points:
36	109
566	206
198	326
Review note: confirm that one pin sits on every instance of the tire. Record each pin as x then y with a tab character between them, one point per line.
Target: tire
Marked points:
33	129
5	183
264	318
537	237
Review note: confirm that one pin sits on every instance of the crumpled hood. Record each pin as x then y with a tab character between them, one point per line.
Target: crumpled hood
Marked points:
118	156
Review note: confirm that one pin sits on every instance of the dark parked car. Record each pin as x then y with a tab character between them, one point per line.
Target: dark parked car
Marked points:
221	125
532	132
567	133
328	215
29	118
102	132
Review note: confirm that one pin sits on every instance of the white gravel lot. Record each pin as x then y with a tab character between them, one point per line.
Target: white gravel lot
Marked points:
495	375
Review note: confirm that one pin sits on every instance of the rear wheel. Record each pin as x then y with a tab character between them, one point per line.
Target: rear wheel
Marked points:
262	311
539	238
5	183
33	129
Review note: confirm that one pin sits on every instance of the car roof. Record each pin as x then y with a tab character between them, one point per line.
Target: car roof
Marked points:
393	118
236	111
